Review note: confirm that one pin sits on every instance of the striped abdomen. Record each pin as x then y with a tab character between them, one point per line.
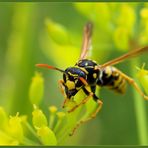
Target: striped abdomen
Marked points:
112	79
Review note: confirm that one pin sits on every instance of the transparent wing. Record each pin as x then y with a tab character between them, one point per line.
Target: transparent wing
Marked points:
128	55
86	40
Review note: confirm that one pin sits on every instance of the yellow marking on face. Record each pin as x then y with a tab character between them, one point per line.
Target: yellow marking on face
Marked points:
94	75
70	84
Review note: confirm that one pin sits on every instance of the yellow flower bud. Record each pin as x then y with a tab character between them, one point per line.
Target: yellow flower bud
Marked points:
121	38
144	13
47	136
39	119
23	118
5	139
53	109
15	128
36	89
127	13
61	115
86	8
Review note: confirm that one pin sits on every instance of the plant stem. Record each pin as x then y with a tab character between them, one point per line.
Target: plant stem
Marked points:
28	142
140	111
33	132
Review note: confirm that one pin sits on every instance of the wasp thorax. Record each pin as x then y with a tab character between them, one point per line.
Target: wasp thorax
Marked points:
91	69
86	63
72	82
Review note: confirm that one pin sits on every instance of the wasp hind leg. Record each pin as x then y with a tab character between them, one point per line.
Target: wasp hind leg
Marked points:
93	115
134	84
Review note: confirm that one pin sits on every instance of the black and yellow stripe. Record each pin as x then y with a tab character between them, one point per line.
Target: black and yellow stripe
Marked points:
112	79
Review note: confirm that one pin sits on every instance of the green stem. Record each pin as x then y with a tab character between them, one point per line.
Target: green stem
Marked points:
51	120
32	131
140	111
28	142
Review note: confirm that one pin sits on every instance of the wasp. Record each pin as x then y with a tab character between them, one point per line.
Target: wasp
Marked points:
86	74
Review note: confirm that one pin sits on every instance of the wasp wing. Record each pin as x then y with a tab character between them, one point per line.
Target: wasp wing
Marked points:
86	40
128	55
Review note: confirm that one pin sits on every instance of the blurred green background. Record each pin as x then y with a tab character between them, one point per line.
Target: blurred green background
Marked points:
26	41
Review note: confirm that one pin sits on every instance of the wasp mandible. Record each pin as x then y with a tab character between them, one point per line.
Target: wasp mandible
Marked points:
86	74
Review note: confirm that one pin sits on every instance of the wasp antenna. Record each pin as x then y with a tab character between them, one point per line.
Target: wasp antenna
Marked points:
49	67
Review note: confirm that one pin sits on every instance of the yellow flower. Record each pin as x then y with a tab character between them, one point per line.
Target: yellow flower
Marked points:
47	135
15	128
38	119
36	89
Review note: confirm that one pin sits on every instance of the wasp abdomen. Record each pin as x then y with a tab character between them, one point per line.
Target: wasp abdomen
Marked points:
112	79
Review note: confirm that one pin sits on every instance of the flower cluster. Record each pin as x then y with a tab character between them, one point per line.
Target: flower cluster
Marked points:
15	130
52	129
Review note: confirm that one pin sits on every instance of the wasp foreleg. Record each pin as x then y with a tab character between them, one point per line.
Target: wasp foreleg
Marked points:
60	82
61	86
133	83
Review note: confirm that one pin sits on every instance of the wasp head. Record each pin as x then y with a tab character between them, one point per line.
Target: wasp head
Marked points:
72	83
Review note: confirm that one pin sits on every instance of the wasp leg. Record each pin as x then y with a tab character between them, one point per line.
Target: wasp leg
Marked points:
134	84
93	115
82	102
60	82
89	95
61	86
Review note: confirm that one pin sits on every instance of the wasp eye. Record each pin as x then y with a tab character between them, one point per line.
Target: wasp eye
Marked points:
79	83
64	77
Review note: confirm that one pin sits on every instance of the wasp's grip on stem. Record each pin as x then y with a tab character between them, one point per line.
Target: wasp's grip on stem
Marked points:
93	115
